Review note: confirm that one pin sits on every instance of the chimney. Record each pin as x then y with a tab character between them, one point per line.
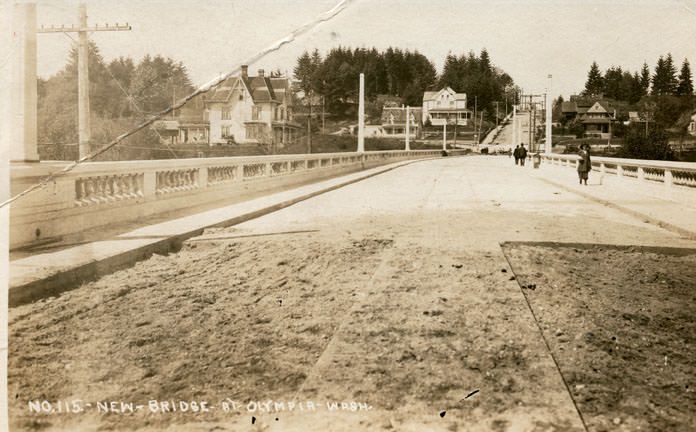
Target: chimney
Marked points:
245	71
261	73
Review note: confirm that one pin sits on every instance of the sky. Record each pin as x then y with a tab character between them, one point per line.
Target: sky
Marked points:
528	39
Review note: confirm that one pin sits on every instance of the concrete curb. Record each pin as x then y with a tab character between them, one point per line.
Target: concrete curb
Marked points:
650	219
61	280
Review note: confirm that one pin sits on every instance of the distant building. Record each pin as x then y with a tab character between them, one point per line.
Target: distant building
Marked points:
189	125
394	121
692	125
247	109
241	109
595	116
445	107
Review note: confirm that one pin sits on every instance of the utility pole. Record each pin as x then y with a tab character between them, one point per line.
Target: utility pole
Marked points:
361	115
514	125
549	119
531	128
408	130
83	70
496	114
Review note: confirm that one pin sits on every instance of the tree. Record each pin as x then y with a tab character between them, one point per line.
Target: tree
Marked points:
595	83
612	83
686	86
645	80
671	75
664	80
654	146
152	83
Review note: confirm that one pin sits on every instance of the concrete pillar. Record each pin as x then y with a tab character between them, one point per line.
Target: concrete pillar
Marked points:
640	174
549	105
20	118
408	130
6	152
361	116
444	135
83	85
514	126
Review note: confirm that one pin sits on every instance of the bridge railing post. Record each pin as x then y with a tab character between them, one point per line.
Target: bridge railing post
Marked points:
149	184
669	178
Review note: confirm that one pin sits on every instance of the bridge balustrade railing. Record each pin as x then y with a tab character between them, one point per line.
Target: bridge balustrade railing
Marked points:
105	193
667	173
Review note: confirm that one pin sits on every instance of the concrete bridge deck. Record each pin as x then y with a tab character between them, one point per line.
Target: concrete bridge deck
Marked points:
393	292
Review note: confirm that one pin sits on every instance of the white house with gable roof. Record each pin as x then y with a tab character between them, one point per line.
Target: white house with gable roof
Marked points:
445	106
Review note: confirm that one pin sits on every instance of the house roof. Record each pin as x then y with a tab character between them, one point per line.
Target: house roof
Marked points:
569	107
431	95
261	88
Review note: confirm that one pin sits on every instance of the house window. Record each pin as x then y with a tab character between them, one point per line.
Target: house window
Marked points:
226	131
255	111
226	115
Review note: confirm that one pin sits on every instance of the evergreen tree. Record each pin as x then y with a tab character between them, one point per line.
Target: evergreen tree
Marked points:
660	79
645	80
686	86
670	75
612	83
636	89
595	83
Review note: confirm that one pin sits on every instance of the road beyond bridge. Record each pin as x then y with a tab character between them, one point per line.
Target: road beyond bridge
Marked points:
451	294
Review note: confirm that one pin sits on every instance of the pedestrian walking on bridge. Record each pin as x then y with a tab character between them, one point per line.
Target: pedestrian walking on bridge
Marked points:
516	153
584	163
522	154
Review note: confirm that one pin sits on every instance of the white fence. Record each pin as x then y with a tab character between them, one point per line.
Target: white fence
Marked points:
665	172
99	194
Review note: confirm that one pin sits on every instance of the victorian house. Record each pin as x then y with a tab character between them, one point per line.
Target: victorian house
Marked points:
242	109
445	107
252	109
595	116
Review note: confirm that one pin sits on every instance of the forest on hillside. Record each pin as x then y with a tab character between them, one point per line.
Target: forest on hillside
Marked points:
122	93
398	75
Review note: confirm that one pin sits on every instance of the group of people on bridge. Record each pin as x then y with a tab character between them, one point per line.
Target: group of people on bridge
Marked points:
520	154
584	162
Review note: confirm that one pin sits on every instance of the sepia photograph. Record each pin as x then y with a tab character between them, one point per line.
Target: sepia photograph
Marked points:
347	215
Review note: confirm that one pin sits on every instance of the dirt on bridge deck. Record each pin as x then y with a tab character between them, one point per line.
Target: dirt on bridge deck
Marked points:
419	338
621	323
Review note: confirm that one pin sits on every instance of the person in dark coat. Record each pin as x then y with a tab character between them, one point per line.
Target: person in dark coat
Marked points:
522	154
516	153
584	163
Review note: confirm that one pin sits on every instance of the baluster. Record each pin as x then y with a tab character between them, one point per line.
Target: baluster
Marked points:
668	179
80	191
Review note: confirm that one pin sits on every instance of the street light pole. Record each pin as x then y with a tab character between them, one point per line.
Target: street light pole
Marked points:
549	118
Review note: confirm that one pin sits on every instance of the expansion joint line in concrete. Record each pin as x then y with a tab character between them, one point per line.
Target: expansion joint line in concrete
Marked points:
385	257
662	224
546	342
